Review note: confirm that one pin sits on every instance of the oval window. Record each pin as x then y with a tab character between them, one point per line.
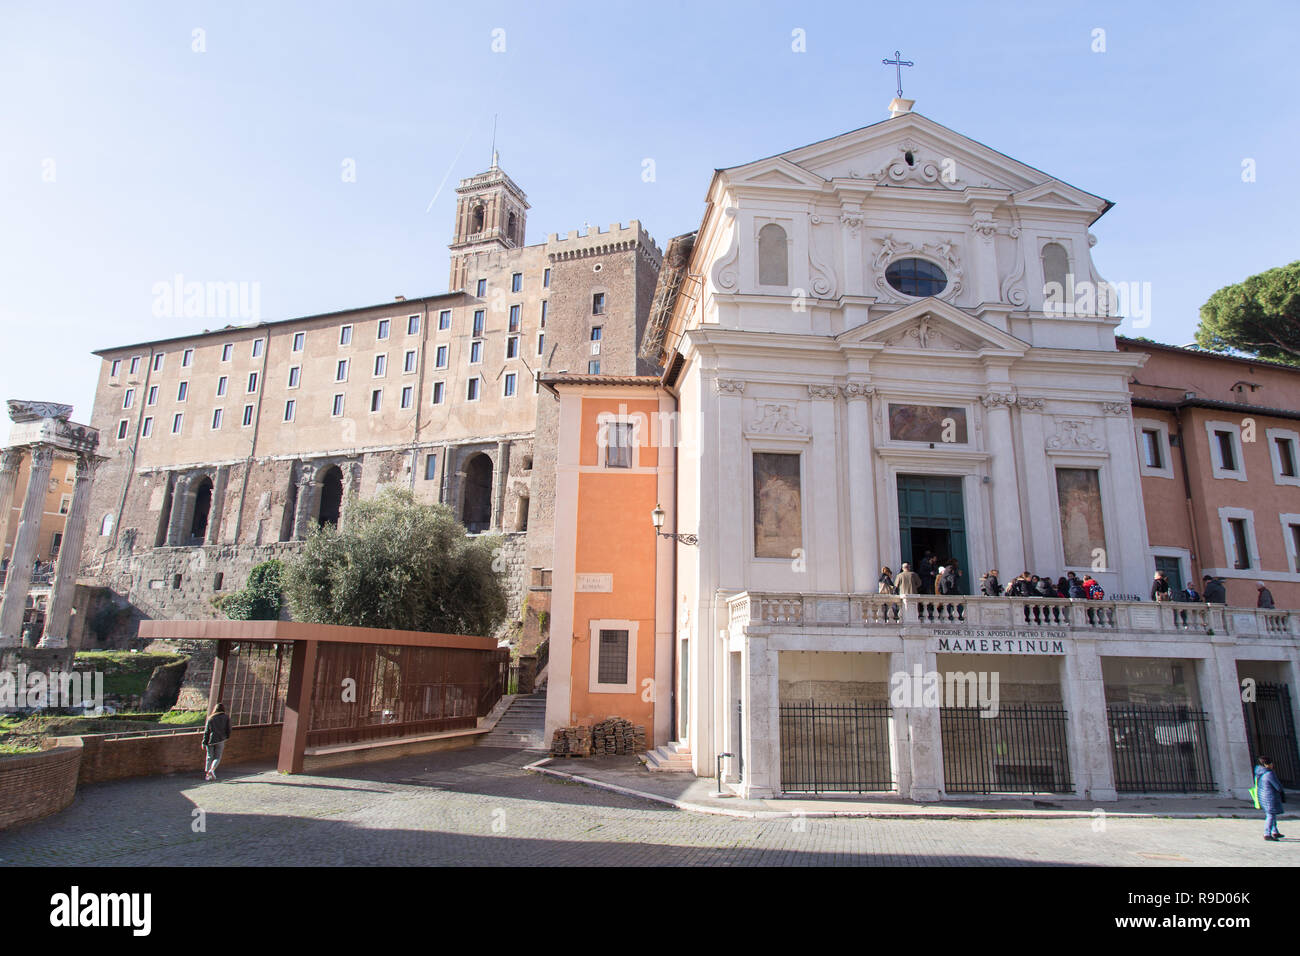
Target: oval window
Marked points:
916	277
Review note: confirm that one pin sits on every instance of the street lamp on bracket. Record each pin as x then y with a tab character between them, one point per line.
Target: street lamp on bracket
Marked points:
657	517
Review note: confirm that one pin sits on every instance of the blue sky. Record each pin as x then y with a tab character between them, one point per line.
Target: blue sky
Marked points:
126	157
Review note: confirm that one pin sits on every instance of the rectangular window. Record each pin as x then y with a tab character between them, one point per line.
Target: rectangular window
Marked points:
252	382
438	389
182	390
64	503
598	303
512	347
345	335
248	415
475	353
289	408
408	361
510	384
1083	532
187	358
1295	545
221	386
177	421
1286	466
299	339
541	342
430	467
115	368
1151	448
546	279
158	362
440	360
376	399
778	507
478	322
152	397
227	352
595	332
444	319
381	365
471	390
543	319
383	329
1240	544
618	445
407	391
217	415
257	347
128	398
593	368
1227	460
341	372
481	289
148	427
295	376
121	429
516	282
337	408
613	659
412	325
514	318
135	365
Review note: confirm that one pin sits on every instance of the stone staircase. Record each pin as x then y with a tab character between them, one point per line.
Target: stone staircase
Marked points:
522	726
672	757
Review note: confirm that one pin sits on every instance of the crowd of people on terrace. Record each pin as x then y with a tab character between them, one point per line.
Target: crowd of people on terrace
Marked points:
933	577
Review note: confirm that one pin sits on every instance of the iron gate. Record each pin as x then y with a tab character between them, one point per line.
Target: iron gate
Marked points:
841	748
1159	748
1270	730
1022	749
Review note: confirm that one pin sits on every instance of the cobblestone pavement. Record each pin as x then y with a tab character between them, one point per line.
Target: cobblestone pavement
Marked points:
480	807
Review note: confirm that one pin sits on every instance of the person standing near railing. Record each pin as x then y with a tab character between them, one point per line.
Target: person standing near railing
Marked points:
1265	596
1160	589
886	582
989	585
215	734
908	581
1271	797
1213	590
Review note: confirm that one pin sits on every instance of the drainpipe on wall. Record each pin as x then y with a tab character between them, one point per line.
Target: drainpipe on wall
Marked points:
257	424
419	392
1197	569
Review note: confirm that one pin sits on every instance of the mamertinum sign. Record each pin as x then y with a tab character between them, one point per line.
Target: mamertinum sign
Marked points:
980	640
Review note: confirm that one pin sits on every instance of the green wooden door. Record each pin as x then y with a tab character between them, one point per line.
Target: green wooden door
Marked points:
932	516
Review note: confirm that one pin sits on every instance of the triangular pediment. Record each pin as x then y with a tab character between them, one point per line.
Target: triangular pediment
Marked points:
1056	194
932	325
778	171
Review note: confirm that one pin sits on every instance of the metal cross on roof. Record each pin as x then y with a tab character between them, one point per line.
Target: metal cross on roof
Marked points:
897	63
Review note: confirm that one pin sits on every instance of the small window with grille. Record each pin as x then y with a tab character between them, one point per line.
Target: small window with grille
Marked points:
612	668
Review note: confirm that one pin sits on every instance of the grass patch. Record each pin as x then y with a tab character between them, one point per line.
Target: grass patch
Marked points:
124	672
184	718
13	750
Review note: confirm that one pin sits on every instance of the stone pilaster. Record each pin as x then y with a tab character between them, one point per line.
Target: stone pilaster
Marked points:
58	614
19	578
499	485
1008	536
925	750
10	461
303	509
1084	696
862	486
218	508
351	489
176	530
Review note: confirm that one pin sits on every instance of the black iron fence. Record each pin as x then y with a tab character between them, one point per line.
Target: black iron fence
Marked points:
1022	749
835	747
1270	730
1160	748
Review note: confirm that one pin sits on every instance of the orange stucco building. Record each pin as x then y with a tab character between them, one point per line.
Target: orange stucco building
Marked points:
611	638
1219	451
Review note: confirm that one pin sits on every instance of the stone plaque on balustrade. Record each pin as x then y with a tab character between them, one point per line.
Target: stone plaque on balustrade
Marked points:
1244	623
832	611
1145	618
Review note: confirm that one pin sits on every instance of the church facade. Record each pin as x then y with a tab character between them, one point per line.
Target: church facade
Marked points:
882	350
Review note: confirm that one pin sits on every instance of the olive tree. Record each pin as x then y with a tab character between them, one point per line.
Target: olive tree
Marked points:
397	563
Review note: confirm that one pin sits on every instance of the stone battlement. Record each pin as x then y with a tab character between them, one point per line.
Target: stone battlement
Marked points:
595	241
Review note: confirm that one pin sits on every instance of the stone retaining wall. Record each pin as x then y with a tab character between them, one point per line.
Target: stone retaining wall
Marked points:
35	785
116	758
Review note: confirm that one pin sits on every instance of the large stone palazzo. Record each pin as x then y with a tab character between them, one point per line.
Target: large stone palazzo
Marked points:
42	431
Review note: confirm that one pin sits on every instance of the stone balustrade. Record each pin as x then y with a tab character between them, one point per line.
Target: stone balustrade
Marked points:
890	612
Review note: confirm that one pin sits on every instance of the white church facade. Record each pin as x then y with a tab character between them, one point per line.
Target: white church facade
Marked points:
878	354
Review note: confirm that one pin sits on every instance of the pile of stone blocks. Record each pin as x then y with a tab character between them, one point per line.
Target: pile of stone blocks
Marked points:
571	742
615	737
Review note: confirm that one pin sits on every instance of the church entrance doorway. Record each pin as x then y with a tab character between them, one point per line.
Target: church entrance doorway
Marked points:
932	525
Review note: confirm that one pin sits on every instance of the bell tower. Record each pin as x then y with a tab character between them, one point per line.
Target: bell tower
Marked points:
491	212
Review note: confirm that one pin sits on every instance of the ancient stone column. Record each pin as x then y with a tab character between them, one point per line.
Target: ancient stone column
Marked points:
302	510
218	506
19	578
351	489
58	614
176	520
10	461
499	484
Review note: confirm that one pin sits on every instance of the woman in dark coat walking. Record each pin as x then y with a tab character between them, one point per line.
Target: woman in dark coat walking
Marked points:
215	734
1271	797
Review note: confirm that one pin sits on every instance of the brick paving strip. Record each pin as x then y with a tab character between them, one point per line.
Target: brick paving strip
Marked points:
699	795
482	807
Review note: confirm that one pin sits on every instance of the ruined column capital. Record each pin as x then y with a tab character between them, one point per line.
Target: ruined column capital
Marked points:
858	392
10	458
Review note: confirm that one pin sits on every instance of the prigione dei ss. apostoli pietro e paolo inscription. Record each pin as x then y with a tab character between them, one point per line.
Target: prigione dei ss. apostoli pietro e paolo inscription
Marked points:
1005	641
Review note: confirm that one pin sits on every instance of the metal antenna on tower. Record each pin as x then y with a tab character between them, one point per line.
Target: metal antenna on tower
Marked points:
494	139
